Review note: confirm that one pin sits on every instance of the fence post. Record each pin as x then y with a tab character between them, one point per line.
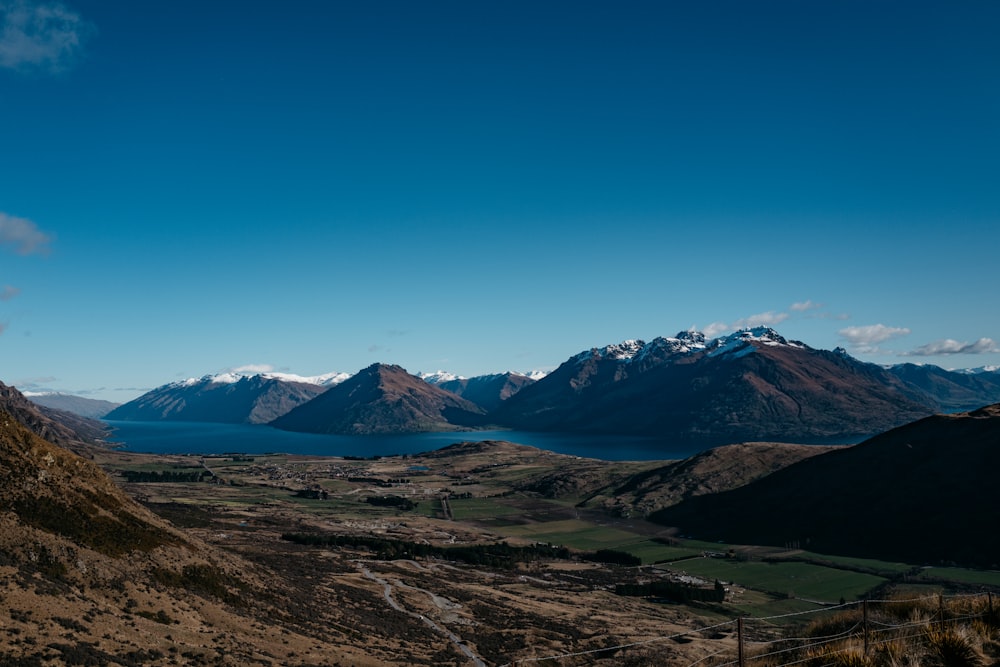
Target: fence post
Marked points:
739	640
864	616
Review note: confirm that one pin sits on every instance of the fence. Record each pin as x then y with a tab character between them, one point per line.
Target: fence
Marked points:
844	634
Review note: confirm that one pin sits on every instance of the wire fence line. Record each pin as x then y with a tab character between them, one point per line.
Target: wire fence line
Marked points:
867	625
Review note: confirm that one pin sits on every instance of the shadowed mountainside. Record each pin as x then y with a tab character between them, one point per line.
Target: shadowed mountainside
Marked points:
922	492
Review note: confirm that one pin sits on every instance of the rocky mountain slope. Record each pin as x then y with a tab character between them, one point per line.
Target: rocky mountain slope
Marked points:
382	399
487	391
58	427
227	398
751	386
923	491
88	576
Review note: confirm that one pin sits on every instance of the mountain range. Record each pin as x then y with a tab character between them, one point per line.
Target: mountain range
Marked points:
750	385
230	398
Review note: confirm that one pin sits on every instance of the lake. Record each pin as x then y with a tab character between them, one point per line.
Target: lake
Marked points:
209	438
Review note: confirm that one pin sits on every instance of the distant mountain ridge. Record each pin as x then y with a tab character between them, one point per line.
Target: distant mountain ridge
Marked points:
227	398
78	405
487	391
382	399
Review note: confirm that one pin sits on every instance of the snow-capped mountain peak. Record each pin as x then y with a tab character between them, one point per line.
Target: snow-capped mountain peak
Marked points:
232	377
437	377
623	351
973	371
739	341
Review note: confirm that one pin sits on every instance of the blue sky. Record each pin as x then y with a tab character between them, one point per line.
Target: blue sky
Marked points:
485	186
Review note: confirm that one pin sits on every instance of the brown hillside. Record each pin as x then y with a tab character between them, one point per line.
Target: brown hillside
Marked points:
87	576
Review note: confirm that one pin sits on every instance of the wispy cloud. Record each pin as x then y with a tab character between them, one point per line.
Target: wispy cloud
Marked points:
768	319
7	292
3	327
40	36
867	338
24	235
802	306
948	346
252	368
35	383
715	328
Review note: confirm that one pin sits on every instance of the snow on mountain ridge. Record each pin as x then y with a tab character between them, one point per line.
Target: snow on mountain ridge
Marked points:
687	342
232	377
437	377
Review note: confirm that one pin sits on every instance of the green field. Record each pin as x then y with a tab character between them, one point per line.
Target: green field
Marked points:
479	508
576	534
961	575
800	580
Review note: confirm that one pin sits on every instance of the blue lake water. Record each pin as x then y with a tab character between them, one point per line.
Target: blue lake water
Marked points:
208	438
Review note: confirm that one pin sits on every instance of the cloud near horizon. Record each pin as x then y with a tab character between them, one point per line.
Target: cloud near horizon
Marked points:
40	36
867	337
947	346
23	235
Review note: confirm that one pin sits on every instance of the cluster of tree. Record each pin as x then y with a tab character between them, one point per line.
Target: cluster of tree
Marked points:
141	476
314	494
612	557
391	501
497	555
674	591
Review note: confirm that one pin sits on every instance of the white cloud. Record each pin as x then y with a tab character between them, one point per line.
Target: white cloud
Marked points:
948	346
867	337
802	306
24	235
41	36
7	292
716	328
252	368
768	319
